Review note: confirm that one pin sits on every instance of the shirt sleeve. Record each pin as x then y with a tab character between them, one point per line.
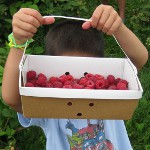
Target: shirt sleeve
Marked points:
27	122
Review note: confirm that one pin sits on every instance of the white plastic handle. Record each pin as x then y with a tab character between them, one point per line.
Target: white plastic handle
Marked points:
23	57
130	62
65	17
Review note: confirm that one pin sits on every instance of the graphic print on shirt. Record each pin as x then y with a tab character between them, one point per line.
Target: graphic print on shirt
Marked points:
91	137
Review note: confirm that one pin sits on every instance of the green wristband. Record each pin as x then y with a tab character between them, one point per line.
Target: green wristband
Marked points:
12	42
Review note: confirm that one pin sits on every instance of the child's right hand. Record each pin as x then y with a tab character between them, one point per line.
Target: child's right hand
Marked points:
26	22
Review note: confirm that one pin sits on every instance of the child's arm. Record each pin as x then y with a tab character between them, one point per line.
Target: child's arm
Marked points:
25	23
133	47
106	19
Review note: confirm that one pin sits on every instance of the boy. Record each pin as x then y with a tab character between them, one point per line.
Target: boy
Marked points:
70	39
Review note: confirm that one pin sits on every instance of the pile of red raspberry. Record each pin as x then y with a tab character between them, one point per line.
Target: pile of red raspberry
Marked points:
88	81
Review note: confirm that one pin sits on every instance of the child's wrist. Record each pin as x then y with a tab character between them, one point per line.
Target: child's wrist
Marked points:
119	30
18	43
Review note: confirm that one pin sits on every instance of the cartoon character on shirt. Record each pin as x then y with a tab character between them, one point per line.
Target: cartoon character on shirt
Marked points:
91	137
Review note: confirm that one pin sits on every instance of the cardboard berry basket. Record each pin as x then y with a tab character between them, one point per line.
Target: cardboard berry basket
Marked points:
79	103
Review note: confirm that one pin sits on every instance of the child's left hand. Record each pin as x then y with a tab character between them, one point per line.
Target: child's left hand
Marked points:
105	19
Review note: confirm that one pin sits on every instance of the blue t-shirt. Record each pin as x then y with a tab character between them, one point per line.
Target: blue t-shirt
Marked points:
81	134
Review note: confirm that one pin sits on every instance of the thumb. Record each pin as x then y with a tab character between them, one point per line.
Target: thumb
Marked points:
48	20
86	25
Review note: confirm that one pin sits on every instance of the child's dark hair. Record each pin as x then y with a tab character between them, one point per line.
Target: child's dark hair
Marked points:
68	36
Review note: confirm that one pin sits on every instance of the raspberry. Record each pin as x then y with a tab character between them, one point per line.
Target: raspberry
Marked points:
31	75
98	76
89	75
100	84
83	81
112	87
43	76
57	84
106	83
92	79
77	86
68	83
69	77
67	86
118	80
53	79
62	78
121	86
75	81
41	81
90	84
33	81
49	85
29	84
124	81
111	79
